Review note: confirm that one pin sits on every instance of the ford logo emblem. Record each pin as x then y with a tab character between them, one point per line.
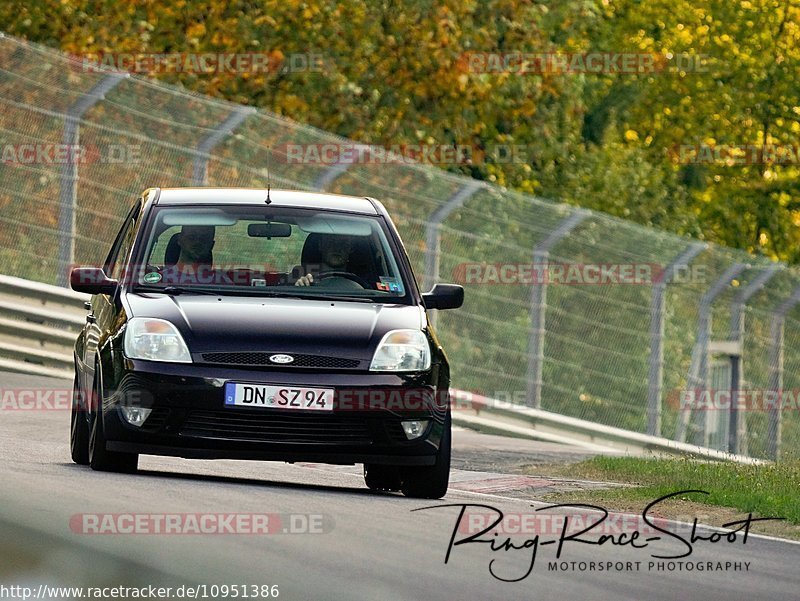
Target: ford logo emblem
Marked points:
283	359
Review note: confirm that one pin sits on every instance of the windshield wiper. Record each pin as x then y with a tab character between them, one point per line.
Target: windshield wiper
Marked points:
325	297
355	299
176	290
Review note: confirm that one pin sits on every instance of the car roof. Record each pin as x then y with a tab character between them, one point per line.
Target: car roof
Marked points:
257	196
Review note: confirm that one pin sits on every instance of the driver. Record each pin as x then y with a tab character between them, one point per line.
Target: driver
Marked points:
194	263
334	250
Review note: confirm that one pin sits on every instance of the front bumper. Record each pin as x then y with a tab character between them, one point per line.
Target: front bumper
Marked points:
190	419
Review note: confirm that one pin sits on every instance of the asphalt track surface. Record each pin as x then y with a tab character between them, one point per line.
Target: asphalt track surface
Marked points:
347	543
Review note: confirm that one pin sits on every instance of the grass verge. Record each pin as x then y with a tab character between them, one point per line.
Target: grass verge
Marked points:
765	490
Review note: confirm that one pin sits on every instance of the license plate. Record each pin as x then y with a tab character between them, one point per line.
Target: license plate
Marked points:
278	397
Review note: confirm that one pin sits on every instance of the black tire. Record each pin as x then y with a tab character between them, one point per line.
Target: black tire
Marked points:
100	458
382	477
79	427
430	482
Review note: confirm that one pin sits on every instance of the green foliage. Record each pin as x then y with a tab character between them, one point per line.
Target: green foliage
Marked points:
395	73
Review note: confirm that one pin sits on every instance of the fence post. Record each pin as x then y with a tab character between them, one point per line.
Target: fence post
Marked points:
698	371
433	235
743	297
541	253
737	440
207	144
734	423
776	372
433	230
332	173
68	195
656	370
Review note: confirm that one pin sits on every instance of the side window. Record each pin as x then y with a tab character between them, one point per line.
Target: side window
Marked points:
122	245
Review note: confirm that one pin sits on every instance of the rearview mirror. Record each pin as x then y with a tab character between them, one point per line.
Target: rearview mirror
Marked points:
444	296
92	280
269	230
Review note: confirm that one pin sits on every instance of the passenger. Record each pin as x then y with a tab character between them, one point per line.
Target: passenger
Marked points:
196	243
334	254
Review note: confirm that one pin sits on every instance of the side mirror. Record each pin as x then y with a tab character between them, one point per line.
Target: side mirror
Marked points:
92	280
444	296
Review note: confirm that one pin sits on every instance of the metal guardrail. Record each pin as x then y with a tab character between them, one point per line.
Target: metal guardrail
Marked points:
38	326
39	322
496	417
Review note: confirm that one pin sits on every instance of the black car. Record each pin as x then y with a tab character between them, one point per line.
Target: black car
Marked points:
268	325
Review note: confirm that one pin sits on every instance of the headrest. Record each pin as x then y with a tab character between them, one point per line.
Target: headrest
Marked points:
173	252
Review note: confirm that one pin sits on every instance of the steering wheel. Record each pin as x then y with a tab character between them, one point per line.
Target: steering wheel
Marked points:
343	274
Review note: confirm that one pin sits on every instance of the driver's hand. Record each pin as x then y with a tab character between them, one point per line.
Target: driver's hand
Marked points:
306	280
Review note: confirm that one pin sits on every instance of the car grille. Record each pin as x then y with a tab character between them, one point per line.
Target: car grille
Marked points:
262	359
242	424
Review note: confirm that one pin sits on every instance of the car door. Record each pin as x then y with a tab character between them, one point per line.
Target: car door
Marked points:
105	308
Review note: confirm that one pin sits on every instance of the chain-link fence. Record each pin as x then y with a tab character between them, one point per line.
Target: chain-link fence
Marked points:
566	310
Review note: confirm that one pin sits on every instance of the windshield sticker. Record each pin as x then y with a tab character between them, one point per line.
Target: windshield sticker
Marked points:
152	277
388	284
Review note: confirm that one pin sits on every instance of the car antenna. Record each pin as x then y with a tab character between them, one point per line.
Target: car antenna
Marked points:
269	177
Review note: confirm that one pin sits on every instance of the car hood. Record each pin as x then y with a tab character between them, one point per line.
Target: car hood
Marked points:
280	325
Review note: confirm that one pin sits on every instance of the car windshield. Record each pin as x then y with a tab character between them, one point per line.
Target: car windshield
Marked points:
269	251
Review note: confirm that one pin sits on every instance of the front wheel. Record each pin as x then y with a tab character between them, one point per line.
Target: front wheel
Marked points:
430	482
100	458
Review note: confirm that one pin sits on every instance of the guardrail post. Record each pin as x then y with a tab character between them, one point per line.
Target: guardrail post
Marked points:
737	440
68	195
656	370
776	372
207	144
698	371
541	253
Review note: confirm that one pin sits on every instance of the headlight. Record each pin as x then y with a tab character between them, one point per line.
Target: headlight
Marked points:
402	350
155	340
